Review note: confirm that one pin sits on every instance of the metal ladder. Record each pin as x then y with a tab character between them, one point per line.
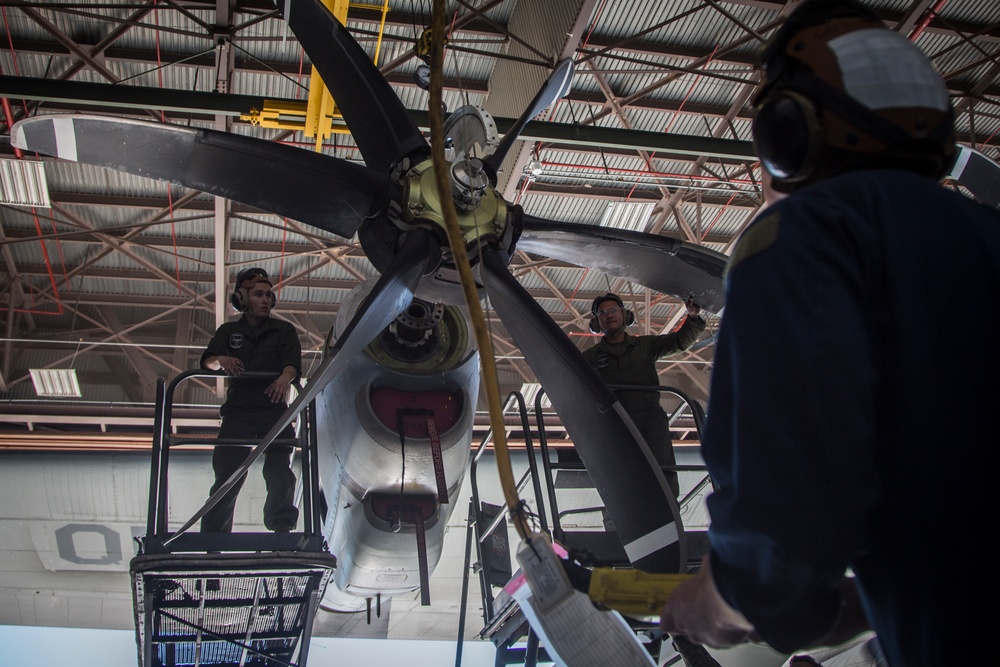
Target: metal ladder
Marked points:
227	599
504	624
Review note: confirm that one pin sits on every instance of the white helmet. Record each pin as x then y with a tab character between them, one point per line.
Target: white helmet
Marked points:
840	92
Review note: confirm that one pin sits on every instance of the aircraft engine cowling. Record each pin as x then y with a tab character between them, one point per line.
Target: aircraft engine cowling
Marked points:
407	402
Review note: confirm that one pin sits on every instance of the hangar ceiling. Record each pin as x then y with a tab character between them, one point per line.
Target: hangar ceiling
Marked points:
124	279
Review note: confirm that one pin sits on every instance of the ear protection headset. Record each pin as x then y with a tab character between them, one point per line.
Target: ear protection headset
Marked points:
595	324
240	296
806	120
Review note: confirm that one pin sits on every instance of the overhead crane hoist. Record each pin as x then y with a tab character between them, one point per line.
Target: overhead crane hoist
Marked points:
319	117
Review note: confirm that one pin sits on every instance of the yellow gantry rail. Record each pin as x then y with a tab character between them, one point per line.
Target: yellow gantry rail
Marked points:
319	117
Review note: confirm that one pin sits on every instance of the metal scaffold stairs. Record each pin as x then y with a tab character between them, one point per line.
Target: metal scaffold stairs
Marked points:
229	609
227	599
506	621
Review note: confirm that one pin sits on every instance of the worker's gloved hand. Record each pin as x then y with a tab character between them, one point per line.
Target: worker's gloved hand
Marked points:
697	611
693	309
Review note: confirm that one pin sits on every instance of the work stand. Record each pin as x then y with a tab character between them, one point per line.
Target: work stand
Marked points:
227	599
504	623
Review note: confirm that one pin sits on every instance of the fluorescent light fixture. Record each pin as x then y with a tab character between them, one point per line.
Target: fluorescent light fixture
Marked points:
627	215
530	390
22	182
55	382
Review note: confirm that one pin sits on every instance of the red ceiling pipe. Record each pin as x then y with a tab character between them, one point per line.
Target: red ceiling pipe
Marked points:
926	20
718	215
52	278
9	116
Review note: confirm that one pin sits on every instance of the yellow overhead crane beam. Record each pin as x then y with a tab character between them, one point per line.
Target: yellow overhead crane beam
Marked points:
319	117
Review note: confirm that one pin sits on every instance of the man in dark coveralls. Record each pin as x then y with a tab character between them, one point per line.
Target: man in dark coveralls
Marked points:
623	359
833	366
256	343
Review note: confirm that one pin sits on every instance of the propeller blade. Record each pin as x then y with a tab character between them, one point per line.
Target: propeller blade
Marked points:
667	265
316	189
555	86
629	480
391	295
377	119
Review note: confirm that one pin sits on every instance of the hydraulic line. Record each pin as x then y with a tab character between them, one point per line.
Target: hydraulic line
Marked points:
635	590
461	258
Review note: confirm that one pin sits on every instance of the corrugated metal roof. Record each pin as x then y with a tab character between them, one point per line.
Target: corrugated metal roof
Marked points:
714	198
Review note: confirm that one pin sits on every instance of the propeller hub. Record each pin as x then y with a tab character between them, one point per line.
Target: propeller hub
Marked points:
416	325
482	213
468	183
425	338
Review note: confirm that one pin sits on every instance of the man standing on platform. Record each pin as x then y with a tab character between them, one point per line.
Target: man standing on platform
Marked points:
256	343
623	359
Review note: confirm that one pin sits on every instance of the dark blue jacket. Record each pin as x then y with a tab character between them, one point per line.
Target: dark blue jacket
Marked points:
854	413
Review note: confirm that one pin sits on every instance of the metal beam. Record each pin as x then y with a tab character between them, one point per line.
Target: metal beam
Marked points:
139	97
120	98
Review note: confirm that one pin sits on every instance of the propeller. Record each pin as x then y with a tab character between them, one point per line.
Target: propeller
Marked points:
555	86
667	265
333	195
469	131
381	126
393	205
979	174
391	295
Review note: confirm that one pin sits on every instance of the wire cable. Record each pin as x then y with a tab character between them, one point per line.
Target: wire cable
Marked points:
462	265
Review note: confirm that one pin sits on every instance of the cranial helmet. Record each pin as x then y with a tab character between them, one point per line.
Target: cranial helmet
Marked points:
245	281
839	91
595	324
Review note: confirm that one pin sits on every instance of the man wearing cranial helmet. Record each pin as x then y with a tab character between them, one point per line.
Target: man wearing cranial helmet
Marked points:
257	343
840	426
621	358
